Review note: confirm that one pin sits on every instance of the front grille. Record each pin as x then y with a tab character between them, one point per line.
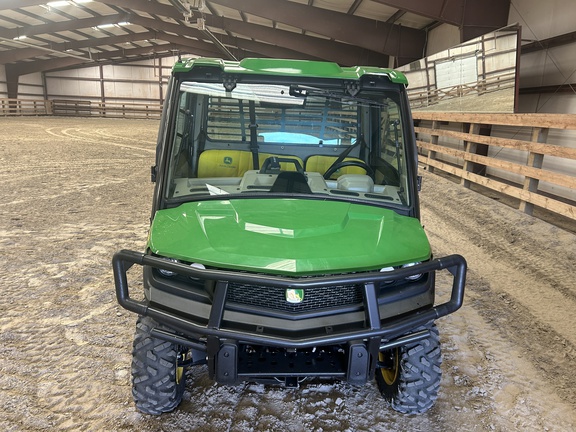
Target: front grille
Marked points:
275	298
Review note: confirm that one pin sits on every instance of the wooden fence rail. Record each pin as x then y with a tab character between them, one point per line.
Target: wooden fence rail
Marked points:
106	109
19	107
465	153
83	108
471	159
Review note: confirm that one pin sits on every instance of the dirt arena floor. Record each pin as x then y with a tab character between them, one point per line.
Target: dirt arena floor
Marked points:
76	190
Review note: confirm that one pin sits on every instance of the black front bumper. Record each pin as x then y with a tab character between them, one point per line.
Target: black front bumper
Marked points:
374	327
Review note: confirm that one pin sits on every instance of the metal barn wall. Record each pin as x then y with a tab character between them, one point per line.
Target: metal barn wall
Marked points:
541	75
552	67
141	81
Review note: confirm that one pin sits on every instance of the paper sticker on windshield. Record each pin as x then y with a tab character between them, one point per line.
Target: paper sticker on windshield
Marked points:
213	190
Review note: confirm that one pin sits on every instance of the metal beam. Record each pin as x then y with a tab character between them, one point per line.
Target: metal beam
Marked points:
310	46
295	42
152	8
483	16
473	17
16	4
117	56
447	11
354	6
15	70
14	55
193	46
552	42
339	52
343	53
272	51
63	26
560	88
402	42
144	6
12	77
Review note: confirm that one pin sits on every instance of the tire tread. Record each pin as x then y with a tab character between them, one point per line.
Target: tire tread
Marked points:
154	387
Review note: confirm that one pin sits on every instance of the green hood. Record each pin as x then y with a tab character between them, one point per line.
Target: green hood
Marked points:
288	236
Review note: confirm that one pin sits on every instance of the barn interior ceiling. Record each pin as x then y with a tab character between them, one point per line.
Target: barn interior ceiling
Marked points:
42	35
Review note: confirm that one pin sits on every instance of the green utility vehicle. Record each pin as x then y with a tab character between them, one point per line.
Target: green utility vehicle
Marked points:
285	243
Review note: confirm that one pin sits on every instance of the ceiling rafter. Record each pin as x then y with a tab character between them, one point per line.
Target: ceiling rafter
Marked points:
473	17
16	69
59	36
310	46
316	47
27	53
379	36
62	26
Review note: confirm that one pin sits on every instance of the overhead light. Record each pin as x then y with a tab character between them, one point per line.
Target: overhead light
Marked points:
63	3
20	37
106	26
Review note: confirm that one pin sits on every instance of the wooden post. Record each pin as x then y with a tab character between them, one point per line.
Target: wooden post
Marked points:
535	160
482	149
469	147
433	140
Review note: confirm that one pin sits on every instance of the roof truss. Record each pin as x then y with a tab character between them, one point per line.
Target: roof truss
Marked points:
73	36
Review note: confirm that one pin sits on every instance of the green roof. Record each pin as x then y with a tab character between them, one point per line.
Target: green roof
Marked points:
283	67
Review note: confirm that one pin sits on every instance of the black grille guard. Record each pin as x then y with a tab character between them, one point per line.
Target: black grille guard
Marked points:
374	328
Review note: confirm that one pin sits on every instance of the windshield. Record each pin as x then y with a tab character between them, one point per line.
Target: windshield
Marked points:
288	139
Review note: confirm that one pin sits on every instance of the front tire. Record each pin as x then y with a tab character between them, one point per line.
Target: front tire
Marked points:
158	381
409	376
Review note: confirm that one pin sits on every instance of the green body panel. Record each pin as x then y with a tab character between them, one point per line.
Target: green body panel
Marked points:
283	67
288	236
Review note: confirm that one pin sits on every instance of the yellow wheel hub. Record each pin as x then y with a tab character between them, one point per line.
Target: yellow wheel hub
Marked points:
390	373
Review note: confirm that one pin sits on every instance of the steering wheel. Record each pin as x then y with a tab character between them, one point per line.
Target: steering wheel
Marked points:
272	165
358	163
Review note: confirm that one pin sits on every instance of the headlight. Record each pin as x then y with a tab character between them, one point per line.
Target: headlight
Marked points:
197	266
413	277
168	273
410	278
387	269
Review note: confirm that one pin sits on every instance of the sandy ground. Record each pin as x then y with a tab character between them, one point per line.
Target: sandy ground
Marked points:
76	190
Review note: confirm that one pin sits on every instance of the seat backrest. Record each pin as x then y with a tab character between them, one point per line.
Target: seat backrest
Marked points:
234	163
320	164
224	163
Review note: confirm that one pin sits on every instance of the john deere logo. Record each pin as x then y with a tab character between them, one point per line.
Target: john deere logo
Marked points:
228	160
294	295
